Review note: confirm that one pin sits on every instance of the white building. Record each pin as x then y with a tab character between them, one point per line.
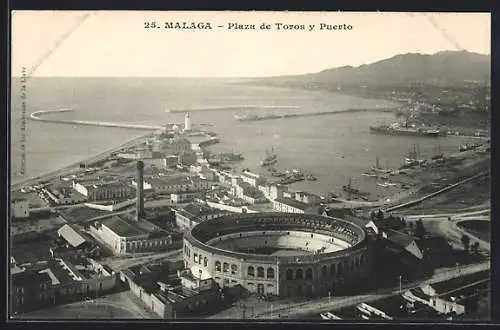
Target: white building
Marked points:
183	197
146	185
289	205
196	278
277	191
252	178
124	236
170	161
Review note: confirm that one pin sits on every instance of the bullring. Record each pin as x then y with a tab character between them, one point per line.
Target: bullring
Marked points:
281	254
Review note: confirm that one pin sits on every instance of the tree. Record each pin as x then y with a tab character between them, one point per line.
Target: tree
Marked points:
372	215
466	242
420	229
411	224
403	221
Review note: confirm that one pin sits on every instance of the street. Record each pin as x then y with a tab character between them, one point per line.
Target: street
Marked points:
263	310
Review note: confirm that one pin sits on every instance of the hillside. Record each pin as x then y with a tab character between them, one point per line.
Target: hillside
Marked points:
443	68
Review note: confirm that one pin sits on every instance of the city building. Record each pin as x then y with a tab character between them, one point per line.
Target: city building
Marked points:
96	190
59	281
307	198
174	185
249	193
171	291
63	195
291	205
195	213
176	146
124	234
277	191
184	197
30	290
400	242
170	161
252	178
450	297
187	158
349	215
71	245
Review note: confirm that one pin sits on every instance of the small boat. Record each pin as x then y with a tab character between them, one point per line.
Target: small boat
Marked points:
372	175
311	177
271	159
329	316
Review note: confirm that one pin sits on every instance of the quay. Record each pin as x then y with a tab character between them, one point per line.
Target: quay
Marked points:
37	116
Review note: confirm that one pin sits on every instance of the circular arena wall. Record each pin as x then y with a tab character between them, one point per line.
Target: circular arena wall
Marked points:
282	254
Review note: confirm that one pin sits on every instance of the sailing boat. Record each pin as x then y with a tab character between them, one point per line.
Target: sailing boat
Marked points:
437	153
271	158
377	168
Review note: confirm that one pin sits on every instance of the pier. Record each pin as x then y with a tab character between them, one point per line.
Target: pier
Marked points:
312	114
234	107
38	117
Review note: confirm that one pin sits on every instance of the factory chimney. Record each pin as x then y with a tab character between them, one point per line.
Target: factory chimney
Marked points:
140	191
187	122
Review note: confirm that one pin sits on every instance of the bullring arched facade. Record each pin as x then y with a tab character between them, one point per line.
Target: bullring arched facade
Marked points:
213	244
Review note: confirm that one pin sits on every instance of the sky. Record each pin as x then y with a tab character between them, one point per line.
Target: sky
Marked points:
116	43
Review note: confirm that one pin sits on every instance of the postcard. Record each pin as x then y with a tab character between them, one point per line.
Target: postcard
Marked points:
321	166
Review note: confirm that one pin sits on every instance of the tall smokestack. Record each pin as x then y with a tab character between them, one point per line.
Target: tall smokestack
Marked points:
140	191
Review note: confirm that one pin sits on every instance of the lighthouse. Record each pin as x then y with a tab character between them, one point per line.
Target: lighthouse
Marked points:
187	123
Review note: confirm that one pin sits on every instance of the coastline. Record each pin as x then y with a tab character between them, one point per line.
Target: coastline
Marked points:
97	157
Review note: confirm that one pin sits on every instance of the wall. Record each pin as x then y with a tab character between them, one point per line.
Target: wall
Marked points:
150	300
109	237
446	307
279	239
112	207
282	207
327	274
230	208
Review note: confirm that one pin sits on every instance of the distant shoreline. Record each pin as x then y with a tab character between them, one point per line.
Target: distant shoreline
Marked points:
95	158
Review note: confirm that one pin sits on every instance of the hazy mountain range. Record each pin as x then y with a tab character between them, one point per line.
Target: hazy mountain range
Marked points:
447	67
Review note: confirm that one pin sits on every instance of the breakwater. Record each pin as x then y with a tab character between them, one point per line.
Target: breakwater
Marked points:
312	114
234	107
38	117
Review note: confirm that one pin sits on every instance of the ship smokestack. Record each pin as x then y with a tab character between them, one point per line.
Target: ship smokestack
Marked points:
140	191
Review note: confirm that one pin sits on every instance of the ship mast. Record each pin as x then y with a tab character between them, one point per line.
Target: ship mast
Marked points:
349	191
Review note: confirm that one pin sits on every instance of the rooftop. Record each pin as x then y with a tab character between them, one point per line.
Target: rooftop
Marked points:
62	274
71	236
122	227
420	294
456	283
95	183
169	181
395	306
30	278
197	210
399	238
